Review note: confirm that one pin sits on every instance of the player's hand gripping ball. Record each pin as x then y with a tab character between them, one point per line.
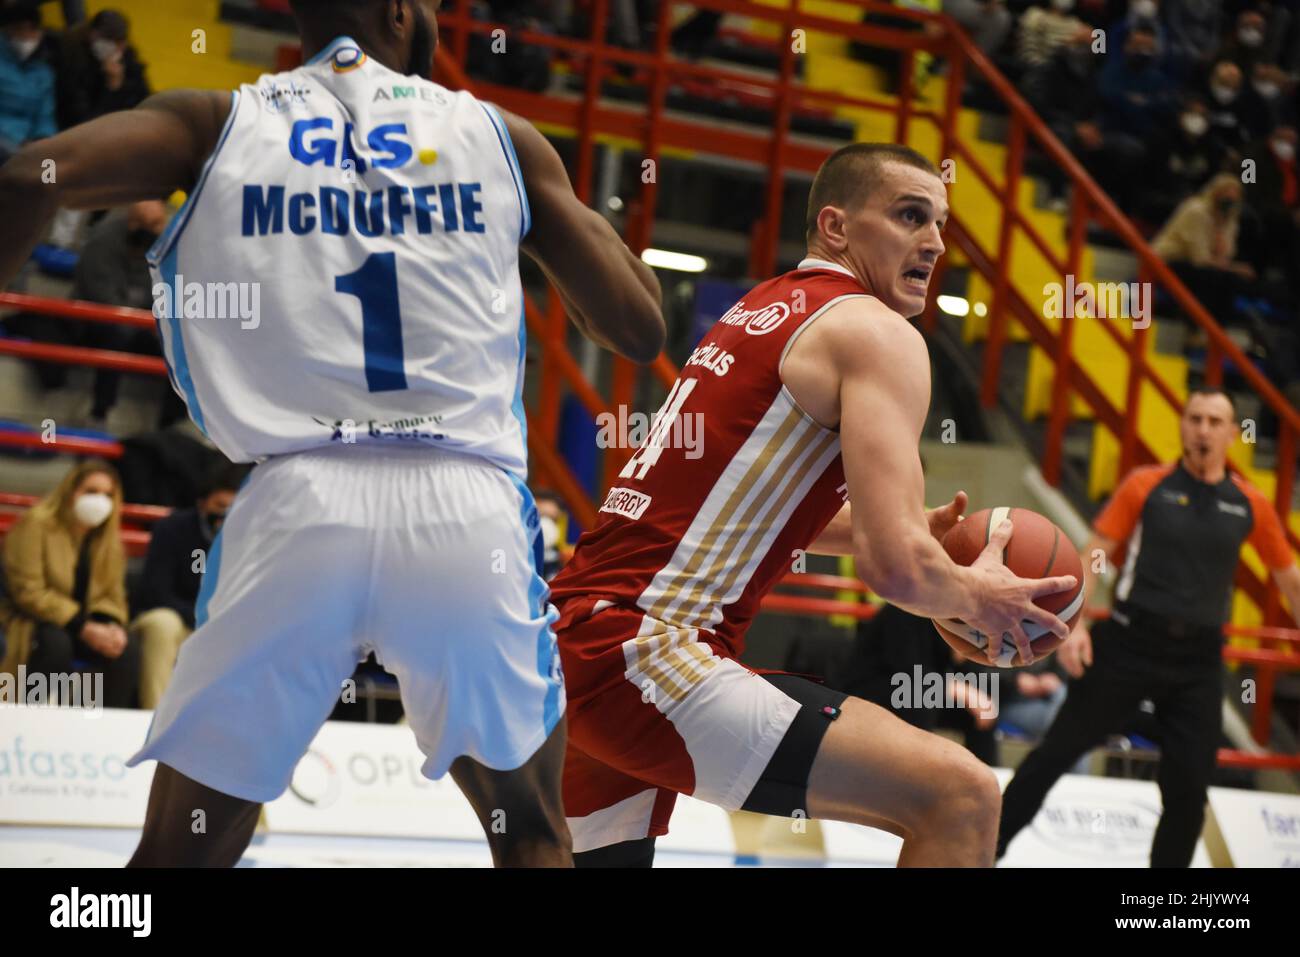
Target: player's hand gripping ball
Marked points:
1037	549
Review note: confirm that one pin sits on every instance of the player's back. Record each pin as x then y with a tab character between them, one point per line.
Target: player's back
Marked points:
731	479
346	269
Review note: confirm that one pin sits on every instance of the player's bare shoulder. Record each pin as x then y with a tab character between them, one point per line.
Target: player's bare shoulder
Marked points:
851	338
200	114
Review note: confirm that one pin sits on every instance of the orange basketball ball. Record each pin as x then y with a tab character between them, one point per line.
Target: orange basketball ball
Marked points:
1037	549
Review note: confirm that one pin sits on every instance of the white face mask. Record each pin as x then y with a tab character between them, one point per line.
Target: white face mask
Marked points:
1250	37
1064	6
24	48
1195	124
1224	94
1266	89
1144	9
104	49
1284	150
93	509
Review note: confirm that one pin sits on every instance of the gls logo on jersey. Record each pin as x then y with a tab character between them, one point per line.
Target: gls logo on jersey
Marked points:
312	142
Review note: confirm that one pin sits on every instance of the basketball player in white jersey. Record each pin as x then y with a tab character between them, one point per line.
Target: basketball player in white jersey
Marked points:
373	219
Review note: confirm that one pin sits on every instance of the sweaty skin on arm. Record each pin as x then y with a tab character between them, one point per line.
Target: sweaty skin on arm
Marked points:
883	370
610	295
873	379
117	159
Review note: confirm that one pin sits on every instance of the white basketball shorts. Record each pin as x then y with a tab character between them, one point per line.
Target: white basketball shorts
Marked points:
427	558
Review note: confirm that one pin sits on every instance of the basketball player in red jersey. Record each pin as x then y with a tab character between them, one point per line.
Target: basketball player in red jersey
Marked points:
812	392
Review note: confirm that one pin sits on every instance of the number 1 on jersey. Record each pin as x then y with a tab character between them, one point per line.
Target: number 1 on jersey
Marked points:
375	284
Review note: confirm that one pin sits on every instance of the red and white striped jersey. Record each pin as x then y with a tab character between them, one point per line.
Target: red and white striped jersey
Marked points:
732	478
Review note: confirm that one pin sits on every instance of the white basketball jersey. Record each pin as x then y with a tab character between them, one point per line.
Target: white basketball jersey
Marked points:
346	269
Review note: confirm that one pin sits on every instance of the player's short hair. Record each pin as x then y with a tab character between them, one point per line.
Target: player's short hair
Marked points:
852	173
1213	390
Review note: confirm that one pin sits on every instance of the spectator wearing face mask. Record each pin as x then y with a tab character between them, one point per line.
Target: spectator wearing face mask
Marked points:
1187	158
1222	94
65	571
1245	46
26	80
99	70
1044	30
1200	243
173	571
1263	101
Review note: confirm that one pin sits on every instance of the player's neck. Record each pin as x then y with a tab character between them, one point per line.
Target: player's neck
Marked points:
316	39
816	252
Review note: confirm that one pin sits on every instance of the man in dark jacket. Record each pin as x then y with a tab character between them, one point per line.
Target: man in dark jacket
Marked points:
98	71
173	571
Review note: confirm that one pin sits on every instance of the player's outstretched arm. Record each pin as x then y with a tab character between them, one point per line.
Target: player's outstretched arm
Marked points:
145	153
883	369
610	295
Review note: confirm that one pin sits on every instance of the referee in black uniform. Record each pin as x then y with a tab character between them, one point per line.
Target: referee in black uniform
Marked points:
1178	529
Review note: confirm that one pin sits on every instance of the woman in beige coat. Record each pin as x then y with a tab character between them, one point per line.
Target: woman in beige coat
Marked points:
65	596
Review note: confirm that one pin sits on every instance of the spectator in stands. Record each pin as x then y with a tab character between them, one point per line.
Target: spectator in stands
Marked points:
1044	30
112	271
1222	93
98	70
1245	47
1138	96
987	21
1200	243
169	589
1188	157
1193	29
65	571
1064	93
26	79
1263	103
1141	15
526	66
554	519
